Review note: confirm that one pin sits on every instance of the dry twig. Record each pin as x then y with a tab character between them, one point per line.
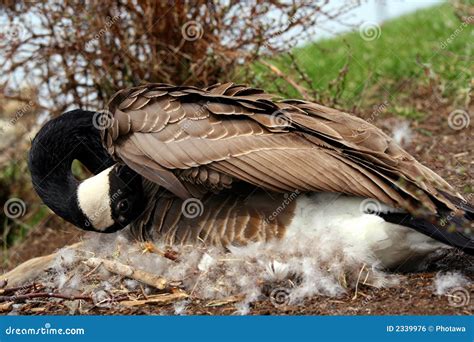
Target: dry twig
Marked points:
225	301
75	58
130	272
303	92
157	299
19	298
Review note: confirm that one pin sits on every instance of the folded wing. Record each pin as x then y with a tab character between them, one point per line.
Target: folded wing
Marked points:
192	141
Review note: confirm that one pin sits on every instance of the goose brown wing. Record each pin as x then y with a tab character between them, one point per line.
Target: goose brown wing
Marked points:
192	140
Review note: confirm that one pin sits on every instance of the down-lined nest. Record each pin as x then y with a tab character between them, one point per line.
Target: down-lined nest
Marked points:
112	272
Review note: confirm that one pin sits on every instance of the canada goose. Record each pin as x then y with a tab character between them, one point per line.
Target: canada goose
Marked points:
237	161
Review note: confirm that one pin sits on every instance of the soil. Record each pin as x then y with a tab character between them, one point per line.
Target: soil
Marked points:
434	143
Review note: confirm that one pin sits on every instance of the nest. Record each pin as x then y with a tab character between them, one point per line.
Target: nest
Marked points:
114	272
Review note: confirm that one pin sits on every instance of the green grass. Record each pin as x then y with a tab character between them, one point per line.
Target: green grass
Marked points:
408	54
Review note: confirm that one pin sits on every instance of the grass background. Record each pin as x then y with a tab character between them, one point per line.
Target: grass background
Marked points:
411	52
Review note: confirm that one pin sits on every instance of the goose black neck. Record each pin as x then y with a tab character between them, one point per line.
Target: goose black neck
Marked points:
59	142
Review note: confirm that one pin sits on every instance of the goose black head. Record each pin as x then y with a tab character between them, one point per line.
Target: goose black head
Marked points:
105	202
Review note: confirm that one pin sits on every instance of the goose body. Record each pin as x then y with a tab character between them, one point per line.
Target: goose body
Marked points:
263	217
228	165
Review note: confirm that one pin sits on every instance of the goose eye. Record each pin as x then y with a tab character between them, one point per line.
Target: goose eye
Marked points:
123	205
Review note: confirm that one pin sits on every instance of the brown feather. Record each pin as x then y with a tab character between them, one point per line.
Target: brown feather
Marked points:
228	133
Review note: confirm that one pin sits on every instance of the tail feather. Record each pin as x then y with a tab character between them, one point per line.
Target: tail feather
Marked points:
456	238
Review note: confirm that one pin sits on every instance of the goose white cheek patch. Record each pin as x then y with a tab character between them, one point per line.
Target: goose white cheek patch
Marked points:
94	200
